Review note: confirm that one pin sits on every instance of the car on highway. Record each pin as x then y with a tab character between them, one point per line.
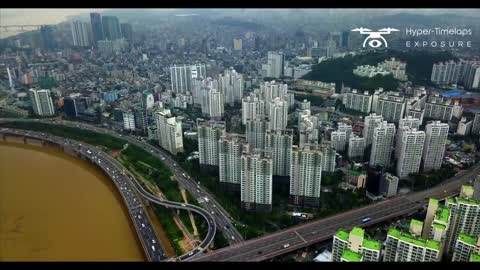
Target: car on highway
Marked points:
153	248
143	225
233	238
367	219
190	254
286	245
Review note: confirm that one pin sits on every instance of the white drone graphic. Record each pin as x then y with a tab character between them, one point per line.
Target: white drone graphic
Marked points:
375	37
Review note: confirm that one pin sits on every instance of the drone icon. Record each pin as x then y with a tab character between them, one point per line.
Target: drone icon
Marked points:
375	37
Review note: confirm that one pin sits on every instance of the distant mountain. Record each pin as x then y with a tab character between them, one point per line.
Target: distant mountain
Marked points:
406	19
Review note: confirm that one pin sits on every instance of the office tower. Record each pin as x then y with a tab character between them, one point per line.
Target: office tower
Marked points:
476	124
405	122
411	148
275	64
437	108
345	39
346	128
375	179
465	216
209	132
47	37
355	246
465	246
255	132
278	114
230	149
306	175
169	128
231	84
358	101
382	144
256	181
371	122
128	120
80	33
97	27
329	154
213	104
148	100
339	140
111	27
391	106
42	103
252	106
434	147
127	31
356	147
70	107
141	118
182	76
390	185
407	247
237	44
278	143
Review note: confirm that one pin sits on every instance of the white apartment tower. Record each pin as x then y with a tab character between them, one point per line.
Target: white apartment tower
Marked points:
41	102
256	181
213	104
278	114
255	132
410	151
230	149
405	122
80	33
306	175
356	147
169	128
128	120
346	128
231	84
371	122
391	106
358	101
181	76
436	134
339	140
382	144
252	106
275	64
278	143
209	132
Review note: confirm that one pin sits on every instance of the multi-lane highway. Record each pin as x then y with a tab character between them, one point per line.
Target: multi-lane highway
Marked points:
222	218
124	182
275	244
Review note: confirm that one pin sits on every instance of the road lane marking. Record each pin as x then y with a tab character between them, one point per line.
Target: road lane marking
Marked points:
300	237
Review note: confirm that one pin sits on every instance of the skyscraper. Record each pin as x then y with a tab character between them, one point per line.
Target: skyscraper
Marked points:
278	143
141	118
97	27
356	147
411	148
182	76
339	140
42	103
405	122
256	181
80	33
252	106
306	175
169	128
371	122
127	31
434	147
255	132
47	37
278	114
230	149
209	132
275	64
111	27
382	144
213	103
231	84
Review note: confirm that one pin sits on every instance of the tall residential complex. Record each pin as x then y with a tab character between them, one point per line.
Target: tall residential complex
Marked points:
463	72
339	140
355	242
271	90
476	124
111	27
278	143
356	147
410	151
275	64
358	101
209	132
256	181
278	114
389	185
169	128
382	144
436	134
437	108
346	128
371	122
252	106
42	103
391	106
255	132
80	33
213	103
405	122
306	175
231	84
329	155
465	247
128	120
230	149
182	76
97	27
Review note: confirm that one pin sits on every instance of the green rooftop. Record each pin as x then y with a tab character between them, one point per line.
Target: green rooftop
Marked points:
442	214
394	232
439	226
343	235
357	231
356	173
450	200
475	257
467	188
432	244
351	256
433	201
406	237
416	222
468	201
372	244
467	239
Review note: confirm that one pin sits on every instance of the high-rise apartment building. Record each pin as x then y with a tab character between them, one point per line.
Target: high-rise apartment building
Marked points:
275	64
436	134
391	106
252	106
213	104
128	120
278	143
182	76
141	119
476	124
230	149
346	128
169	128
382	144
111	28
358	101
329	155
231	84
42	103
148	100
465	247
437	108
371	122
339	140
355	246
390	185
271	90
256	181
209	133
306	175
412	123
278	114
356	147
97	27
80	33
255	132
410	151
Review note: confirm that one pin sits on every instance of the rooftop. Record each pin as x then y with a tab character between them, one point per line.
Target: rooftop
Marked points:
416	222
357	231
475	257
467	239
443	214
356	173
343	235
351	256
433	201
372	244
439	226
406	237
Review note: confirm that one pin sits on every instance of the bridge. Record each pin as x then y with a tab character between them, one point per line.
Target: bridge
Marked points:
123	180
